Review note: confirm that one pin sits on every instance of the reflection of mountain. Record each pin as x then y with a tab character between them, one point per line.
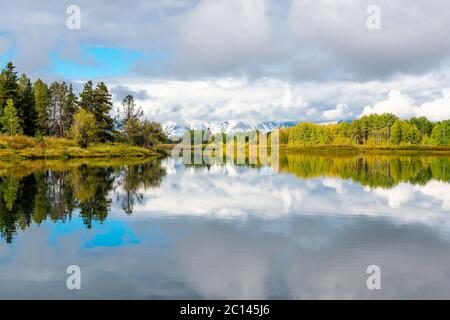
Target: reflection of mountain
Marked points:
174	130
56	194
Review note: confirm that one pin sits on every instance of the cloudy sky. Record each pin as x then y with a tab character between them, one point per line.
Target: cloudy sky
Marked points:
251	60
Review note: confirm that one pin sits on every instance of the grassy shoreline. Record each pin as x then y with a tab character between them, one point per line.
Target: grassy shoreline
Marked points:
22	148
346	148
366	148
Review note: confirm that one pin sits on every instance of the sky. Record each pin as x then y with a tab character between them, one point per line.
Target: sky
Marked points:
252	60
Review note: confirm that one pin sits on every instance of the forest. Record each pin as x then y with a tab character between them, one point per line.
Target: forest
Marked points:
40	110
372	130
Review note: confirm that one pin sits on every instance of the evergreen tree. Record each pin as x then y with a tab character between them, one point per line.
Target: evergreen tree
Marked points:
129	110
98	102
69	109
128	120
8	85
87	97
42	104
26	106
101	112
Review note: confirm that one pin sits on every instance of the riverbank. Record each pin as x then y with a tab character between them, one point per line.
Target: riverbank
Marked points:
23	147
367	148
344	148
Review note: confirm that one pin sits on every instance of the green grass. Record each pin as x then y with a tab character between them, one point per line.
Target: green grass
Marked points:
390	148
23	147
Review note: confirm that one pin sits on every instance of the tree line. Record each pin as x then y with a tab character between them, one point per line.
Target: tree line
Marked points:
38	109
377	130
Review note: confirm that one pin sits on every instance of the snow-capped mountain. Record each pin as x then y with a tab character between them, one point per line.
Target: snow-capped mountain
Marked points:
175	130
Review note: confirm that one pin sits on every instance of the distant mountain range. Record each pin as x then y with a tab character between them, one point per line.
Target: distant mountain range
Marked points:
176	130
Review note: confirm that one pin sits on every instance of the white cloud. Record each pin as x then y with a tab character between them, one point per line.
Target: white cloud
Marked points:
234	98
406	107
220	99
437	109
341	112
397	103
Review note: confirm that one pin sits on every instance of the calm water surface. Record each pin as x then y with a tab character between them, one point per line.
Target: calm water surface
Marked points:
160	229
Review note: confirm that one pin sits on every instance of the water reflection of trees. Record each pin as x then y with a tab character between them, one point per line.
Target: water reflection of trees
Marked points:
369	169
132	180
84	189
373	170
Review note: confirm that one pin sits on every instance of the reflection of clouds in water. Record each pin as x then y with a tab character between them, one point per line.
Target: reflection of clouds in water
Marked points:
334	183
428	204
218	194
224	266
243	192
295	257
339	272
169	164
439	191
397	196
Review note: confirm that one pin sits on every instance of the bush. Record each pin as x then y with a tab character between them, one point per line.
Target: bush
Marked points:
17	142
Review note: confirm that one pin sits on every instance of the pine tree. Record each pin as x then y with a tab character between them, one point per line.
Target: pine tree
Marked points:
128	115
42	105
101	111
26	106
9	119
87	97
8	85
69	109
98	102
129	110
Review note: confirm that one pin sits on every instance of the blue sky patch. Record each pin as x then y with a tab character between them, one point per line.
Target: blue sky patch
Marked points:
97	62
